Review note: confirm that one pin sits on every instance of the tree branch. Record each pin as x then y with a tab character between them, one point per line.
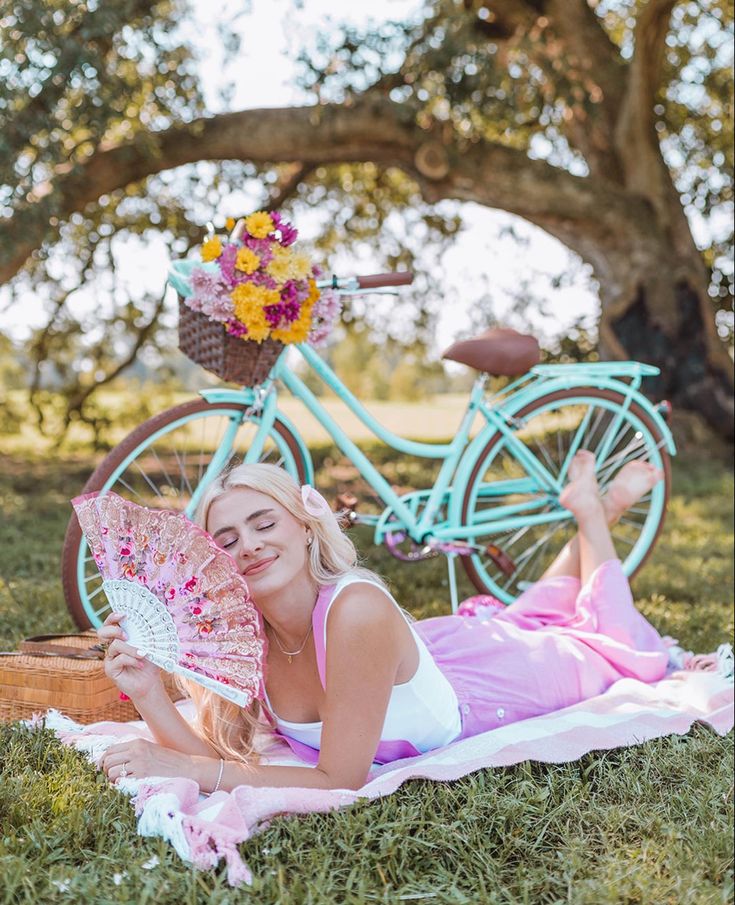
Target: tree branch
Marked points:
636	138
595	63
374	129
286	187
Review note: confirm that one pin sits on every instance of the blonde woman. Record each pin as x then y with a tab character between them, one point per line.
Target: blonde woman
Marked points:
349	679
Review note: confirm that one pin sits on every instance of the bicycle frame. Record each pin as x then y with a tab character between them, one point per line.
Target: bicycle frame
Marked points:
458	456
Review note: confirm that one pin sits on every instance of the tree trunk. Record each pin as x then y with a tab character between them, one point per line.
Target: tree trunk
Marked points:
655	309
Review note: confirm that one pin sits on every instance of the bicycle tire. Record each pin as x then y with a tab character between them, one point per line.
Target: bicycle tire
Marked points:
138	442
485	573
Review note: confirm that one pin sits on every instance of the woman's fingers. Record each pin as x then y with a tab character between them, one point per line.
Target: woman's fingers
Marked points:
111	629
106	635
120	647
123	661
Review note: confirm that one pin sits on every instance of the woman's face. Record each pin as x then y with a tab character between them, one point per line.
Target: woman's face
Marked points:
265	540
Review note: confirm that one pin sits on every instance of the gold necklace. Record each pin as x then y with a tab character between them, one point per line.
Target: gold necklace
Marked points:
291	653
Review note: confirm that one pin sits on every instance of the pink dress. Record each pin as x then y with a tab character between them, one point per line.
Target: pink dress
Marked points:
557	644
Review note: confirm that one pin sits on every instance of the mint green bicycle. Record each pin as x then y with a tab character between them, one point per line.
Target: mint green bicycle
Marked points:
494	504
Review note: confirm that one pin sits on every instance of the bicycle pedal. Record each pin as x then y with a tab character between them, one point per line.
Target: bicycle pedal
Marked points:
501	560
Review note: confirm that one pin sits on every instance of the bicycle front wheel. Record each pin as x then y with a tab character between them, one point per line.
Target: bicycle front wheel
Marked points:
161	464
553	428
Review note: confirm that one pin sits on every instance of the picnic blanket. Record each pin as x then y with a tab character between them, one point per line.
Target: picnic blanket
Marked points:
205	829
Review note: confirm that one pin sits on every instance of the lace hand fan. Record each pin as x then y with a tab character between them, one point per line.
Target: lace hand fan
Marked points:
186	606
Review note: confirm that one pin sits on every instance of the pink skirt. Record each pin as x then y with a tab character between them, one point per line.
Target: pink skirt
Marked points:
556	645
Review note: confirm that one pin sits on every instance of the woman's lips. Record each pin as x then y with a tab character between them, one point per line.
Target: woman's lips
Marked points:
260	566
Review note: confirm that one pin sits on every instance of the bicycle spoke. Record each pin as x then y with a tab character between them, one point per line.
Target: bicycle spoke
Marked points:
149	482
624	540
182	471
611	426
163	468
576	442
130	489
624	456
536	551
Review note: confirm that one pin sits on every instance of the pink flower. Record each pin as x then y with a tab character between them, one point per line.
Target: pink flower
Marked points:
288	233
191	583
125	550
325	313
170	592
196	610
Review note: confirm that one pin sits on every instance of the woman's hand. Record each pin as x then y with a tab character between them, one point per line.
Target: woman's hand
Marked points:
139	758
133	674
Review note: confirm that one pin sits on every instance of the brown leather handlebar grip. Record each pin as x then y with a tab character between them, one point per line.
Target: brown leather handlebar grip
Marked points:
375	280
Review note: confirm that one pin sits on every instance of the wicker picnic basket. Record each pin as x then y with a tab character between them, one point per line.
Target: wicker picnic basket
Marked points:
40	677
207	343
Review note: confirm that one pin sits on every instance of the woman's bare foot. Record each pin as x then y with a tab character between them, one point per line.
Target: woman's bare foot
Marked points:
581	496
632	482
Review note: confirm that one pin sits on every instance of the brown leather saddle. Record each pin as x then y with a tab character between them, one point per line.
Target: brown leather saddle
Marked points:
501	352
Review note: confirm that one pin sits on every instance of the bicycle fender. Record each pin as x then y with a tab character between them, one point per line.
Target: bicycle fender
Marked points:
247	396
569	382
243	396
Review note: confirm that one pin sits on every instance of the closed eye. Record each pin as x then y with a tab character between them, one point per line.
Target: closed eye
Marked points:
266	527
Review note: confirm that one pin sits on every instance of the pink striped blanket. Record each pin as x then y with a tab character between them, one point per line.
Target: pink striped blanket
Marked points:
207	829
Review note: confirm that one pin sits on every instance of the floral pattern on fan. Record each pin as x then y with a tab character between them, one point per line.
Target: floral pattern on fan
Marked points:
186	605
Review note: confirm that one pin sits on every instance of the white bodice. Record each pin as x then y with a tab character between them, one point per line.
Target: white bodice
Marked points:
423	711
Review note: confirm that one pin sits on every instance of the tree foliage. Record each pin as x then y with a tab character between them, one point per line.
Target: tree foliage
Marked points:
537	106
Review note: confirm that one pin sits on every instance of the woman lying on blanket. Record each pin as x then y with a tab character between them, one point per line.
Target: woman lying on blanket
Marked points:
388	687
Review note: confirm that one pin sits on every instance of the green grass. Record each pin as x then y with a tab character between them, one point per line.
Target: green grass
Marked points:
650	824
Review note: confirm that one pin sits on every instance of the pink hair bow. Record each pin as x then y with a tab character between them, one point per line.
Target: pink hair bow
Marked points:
314	502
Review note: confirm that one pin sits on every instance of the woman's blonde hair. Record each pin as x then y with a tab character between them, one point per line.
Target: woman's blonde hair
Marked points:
229	729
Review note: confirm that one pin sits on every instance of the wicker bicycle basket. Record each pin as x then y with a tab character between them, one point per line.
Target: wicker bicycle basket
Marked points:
207	343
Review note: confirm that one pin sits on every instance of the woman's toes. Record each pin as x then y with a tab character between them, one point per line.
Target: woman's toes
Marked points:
582	464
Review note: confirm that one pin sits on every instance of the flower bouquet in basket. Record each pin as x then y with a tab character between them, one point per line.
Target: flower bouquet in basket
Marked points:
251	294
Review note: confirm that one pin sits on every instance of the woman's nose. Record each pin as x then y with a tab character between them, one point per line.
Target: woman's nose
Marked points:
250	545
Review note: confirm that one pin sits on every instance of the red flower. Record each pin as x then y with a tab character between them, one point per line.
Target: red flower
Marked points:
191	583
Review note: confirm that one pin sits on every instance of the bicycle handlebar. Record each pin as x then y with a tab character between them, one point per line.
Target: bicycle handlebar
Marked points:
371	281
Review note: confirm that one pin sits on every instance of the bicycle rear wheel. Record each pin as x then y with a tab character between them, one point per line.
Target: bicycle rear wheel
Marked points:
161	464
553	427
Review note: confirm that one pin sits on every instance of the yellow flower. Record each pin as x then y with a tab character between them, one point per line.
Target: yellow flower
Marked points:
247	261
230	224
259	224
211	249
313	295
279	270
300	267
258	332
294	333
249	301
298	331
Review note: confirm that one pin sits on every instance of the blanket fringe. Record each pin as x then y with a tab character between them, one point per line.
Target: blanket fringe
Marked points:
161	816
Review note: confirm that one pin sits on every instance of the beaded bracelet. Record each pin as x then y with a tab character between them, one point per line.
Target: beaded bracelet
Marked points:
219	777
